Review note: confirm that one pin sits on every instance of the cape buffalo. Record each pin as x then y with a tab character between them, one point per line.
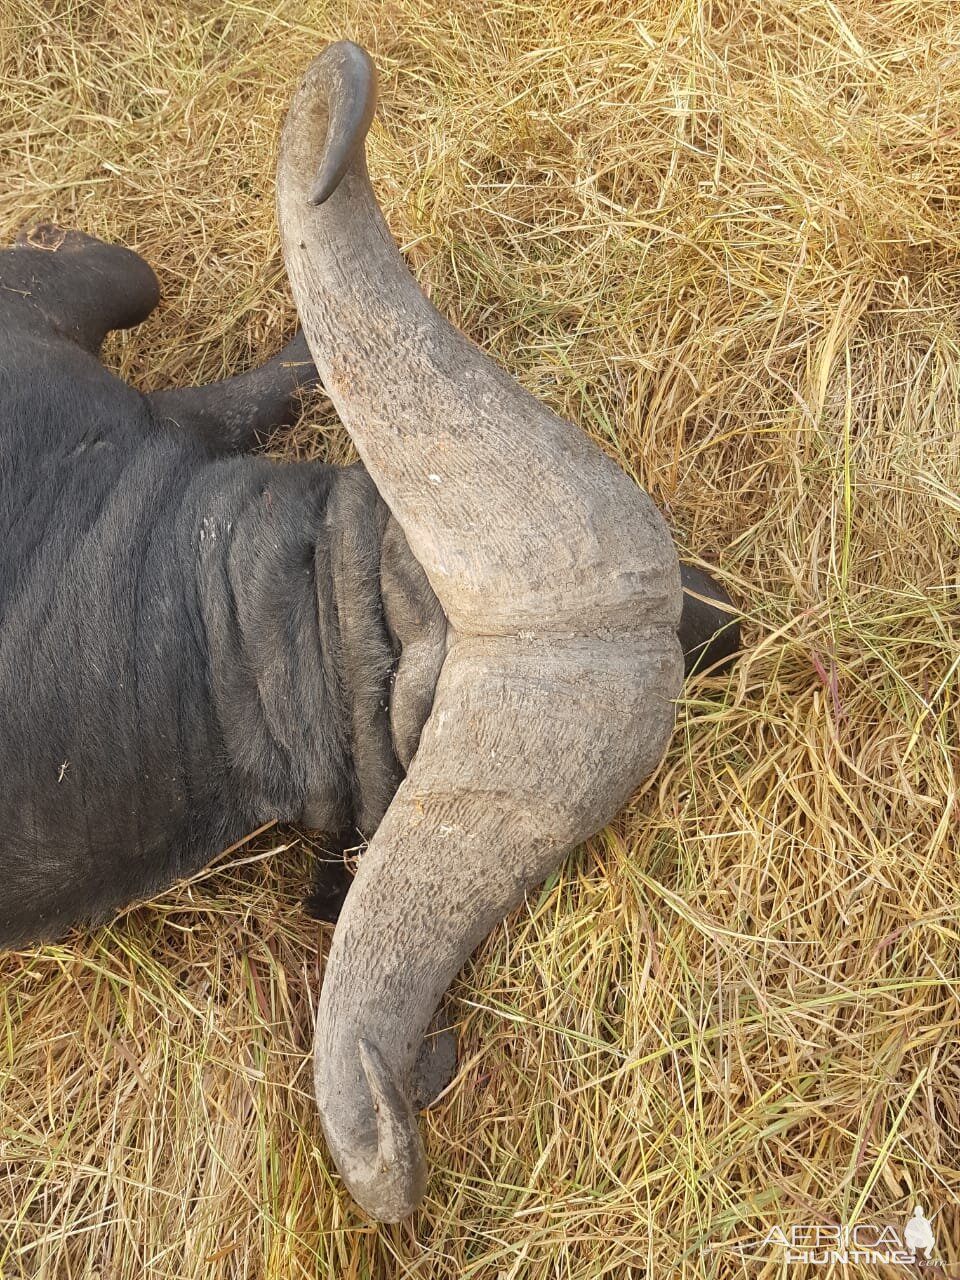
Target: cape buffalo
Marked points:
195	640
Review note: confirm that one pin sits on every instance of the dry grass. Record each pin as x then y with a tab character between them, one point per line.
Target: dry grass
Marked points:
723	236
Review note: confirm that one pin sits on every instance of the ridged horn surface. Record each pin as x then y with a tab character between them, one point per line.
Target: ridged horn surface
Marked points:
562	587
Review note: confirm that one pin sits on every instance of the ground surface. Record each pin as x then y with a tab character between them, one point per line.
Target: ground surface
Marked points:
723	237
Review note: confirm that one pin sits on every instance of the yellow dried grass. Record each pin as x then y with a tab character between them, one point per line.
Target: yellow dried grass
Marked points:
722	235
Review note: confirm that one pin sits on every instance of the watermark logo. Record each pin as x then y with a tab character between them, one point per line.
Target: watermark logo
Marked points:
826	1244
918	1234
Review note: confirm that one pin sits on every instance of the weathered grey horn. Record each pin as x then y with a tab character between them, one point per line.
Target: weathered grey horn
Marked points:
562	588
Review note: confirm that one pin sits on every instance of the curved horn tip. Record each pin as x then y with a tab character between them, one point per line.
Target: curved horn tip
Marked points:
392	1185
347	79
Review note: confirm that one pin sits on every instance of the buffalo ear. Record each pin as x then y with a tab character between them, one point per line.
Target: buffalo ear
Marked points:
709	628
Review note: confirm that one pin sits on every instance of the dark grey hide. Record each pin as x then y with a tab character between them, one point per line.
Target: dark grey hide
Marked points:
192	641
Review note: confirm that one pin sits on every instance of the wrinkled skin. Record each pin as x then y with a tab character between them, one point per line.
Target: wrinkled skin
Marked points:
192	642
